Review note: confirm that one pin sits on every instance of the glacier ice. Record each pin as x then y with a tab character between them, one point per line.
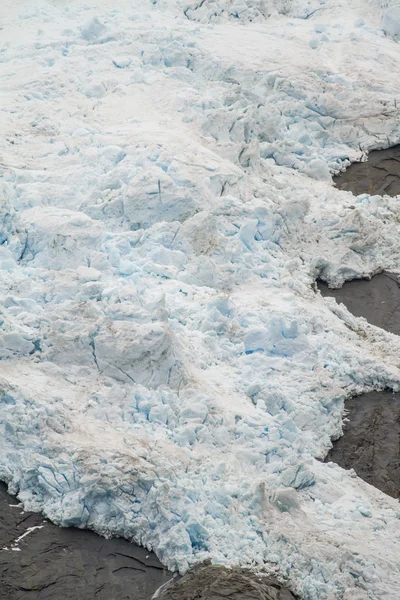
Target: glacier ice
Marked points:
391	22
168	372
92	29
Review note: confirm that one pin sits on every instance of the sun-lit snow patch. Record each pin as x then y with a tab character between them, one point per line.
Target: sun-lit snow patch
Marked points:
169	374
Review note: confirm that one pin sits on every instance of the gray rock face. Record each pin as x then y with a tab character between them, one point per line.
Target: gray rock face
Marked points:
53	563
371	441
213	582
379	175
377	300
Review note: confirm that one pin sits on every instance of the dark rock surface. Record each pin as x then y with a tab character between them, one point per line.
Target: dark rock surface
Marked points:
213	582
371	441
379	175
55	563
377	300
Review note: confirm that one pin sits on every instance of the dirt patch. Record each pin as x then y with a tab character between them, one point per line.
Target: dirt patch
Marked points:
50	562
371	441
213	582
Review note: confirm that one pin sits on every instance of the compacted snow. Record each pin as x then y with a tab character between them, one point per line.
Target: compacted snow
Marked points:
169	373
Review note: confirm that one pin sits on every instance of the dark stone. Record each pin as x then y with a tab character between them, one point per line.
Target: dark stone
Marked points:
371	440
380	174
213	582
66	563
377	300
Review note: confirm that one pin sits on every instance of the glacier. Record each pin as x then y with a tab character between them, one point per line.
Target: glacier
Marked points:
169	372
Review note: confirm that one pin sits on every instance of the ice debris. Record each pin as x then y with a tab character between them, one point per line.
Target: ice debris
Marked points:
168	372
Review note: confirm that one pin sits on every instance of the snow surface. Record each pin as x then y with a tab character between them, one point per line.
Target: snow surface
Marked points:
169	373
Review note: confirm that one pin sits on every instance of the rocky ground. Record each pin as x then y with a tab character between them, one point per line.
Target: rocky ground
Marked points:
379	175
371	441
217	583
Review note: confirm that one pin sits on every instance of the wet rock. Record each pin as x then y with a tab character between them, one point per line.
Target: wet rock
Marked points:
214	582
52	563
379	175
371	440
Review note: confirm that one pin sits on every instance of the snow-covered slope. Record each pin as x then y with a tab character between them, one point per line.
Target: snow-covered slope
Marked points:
168	372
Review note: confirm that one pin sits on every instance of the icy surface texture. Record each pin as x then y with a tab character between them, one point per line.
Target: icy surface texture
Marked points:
249	11
391	22
168	373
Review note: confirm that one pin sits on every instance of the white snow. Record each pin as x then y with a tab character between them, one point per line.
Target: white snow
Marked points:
27	532
168	372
